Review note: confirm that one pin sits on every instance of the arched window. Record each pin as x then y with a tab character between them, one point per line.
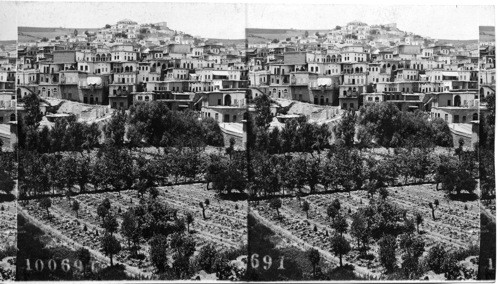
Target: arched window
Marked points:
456	101
475	116
227	100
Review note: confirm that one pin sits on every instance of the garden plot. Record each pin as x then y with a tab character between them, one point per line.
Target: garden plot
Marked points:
224	227
456	225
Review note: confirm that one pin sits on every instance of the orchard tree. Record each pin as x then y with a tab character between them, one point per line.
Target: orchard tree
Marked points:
314	258
305	208
207	258
437	256
110	224
340	246
102	211
332	211
7	184
275	203
345	129
75	206
83	255
387	252
189	219
158	252
202	206
419	220
263	114
110	246
340	224
359	228
45	203
114	130
130	227
413	247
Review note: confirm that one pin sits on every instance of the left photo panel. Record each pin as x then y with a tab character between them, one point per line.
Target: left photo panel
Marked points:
131	142
8	141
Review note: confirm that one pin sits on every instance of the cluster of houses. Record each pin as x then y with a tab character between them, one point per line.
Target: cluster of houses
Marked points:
115	67
346	67
8	105
358	64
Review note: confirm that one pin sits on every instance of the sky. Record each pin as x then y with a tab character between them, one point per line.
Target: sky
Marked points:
228	20
443	22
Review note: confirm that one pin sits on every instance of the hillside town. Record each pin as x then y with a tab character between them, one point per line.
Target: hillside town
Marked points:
358	64
128	62
344	68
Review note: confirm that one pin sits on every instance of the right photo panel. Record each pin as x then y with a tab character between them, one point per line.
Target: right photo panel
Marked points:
370	142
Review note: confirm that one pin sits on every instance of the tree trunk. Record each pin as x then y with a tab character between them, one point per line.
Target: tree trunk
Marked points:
340	257
278	211
111	259
203	210
433	216
307	214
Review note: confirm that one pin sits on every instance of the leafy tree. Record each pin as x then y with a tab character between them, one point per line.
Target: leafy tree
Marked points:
189	220
345	129
275	203
340	246
107	26
130	227
202	206
75	206
381	122
450	267
110	224
212	132
114	130
184	247
45	203
75	32
431	205
340	224
7	184
158	252
102	211
413	247
305	208
314	258
359	228
436	257
419	219
110	246
387	252
83	255
332	210
207	258
263	114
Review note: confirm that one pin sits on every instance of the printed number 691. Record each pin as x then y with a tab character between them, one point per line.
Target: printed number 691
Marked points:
267	262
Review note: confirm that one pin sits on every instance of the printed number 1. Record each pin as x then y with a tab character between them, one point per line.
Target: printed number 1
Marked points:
282	260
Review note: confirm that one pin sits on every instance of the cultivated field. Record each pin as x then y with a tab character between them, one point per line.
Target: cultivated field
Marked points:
456	225
224	226
8	232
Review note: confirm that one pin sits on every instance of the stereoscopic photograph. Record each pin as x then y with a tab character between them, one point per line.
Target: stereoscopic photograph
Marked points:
247	142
